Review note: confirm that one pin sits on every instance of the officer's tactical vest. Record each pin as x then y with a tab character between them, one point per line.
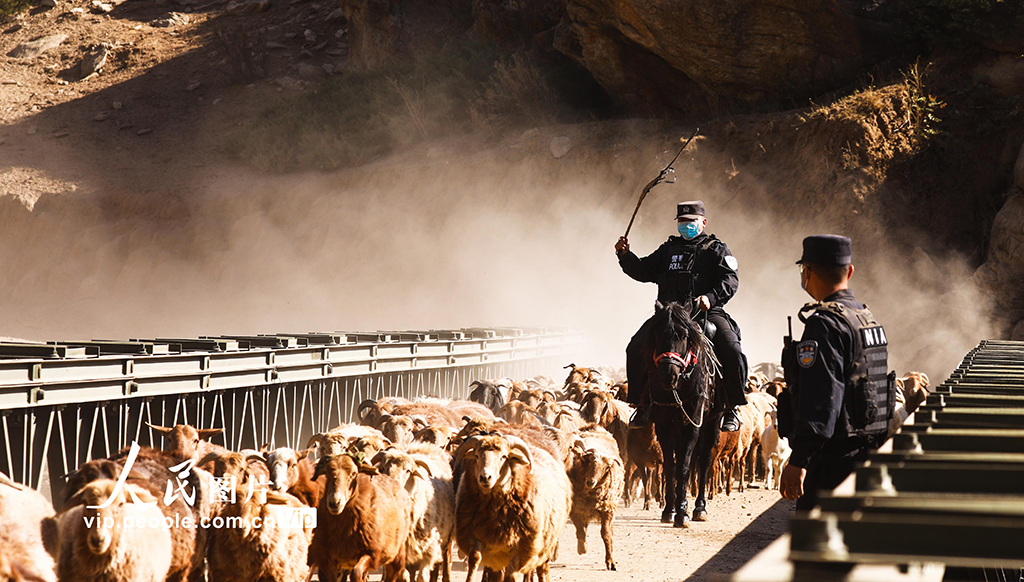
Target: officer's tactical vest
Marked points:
869	400
683	277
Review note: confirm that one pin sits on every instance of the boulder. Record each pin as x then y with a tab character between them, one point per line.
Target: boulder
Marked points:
1002	274
33	49
381	30
1018	170
664	52
1003	72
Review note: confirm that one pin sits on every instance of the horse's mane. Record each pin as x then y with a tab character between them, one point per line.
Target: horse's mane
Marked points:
672	321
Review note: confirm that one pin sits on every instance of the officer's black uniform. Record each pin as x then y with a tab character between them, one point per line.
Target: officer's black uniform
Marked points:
841	396
684	270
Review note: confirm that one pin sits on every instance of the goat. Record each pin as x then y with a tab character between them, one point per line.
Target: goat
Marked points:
94	542
510	506
597	478
363	521
291	471
23	555
428	547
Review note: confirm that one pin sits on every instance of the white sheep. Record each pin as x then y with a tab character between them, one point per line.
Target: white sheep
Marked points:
22	554
123	542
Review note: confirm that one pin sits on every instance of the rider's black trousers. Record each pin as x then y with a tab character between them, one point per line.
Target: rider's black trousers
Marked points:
727	348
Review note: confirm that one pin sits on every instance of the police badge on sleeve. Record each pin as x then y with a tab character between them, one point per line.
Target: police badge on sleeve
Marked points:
806	353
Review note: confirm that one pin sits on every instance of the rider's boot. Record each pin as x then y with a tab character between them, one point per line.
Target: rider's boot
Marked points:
731	420
641	418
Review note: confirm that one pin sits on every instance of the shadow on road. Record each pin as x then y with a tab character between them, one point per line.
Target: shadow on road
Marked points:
746	544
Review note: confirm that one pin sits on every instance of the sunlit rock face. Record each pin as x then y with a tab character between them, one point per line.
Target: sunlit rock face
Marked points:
663	53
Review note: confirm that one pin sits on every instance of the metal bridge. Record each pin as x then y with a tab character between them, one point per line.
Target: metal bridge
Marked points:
946	502
65	403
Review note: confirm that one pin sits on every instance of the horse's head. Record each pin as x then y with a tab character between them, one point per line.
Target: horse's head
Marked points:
678	345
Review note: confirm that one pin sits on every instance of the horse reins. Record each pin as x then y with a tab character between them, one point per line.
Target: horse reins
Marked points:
687	364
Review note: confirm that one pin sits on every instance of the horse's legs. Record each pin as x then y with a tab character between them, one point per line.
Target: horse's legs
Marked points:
664	431
705	450
685	442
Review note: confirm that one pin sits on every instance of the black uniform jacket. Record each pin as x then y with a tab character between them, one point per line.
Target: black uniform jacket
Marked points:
714	270
822	383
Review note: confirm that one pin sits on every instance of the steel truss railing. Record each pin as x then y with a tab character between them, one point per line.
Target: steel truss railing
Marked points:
948	499
76	409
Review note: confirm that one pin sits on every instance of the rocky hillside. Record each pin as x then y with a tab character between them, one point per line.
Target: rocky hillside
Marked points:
894	121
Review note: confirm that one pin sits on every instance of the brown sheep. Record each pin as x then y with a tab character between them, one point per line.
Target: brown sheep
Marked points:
337	440
23	511
264	544
434	435
362	522
511	505
371	411
644	463
291	471
188	442
517	412
123	541
597	478
531	398
399	428
429	484
150	472
600	408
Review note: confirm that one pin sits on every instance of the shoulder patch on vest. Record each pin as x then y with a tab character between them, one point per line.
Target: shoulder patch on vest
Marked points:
731	262
806	353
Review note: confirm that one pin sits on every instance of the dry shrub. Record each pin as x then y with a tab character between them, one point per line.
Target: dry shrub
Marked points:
517	91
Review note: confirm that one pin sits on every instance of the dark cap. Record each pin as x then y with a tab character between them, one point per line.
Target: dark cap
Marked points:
827	249
691	210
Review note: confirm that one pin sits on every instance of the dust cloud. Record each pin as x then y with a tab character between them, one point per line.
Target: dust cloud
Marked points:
452	236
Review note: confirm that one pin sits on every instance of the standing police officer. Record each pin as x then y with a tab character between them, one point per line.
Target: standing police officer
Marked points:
840	396
694	269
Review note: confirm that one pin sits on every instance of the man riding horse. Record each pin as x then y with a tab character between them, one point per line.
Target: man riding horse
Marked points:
693	269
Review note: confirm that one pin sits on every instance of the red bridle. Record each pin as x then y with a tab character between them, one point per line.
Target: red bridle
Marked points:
684	362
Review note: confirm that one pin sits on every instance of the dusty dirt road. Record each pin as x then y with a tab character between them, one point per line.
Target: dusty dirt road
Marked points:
645	549
741	525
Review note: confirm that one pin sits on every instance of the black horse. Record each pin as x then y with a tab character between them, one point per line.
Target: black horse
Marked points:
686	413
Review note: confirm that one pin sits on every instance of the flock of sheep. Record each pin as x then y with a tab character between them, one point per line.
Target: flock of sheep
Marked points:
499	475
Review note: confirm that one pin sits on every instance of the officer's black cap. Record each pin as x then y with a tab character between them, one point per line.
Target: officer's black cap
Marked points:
691	210
827	249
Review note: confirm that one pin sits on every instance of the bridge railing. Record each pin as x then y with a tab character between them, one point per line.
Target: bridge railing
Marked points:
65	404
946	499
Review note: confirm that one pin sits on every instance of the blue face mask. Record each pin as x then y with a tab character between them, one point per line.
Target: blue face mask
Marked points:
689	230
